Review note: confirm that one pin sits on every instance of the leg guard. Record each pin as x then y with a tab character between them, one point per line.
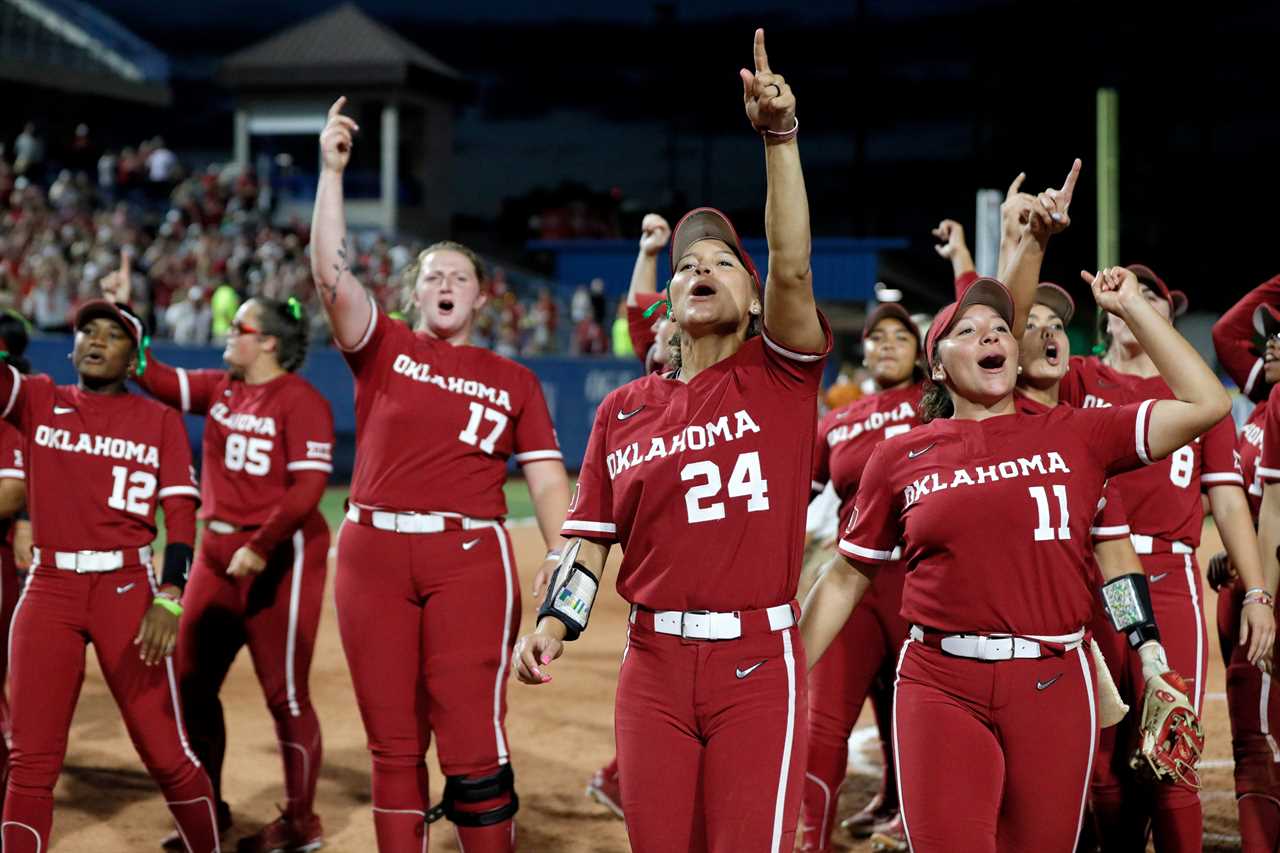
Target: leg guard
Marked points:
465	789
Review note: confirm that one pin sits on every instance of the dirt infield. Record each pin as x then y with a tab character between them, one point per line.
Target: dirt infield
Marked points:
559	733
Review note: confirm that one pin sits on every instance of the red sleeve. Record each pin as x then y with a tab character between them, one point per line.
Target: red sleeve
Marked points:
640	326
1112	520
1220	456
804	368
591	507
364	356
178	493
963	281
821	459
535	435
190	391
308	434
1233	337
1117	437
1269	461
306	488
874	527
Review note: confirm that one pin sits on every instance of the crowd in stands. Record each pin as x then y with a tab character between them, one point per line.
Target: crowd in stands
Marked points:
203	240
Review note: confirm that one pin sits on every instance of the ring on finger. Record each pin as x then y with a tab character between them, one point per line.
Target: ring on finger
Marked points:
779	88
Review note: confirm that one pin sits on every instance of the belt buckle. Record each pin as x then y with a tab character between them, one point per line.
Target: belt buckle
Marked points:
684	632
395	521
78	556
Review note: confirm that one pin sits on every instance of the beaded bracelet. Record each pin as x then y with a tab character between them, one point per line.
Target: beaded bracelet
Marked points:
168	603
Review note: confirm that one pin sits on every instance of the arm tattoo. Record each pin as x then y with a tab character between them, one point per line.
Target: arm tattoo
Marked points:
330	291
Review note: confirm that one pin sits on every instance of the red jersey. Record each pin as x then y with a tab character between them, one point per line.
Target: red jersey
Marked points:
97	463
1251	445
436	423
1163	500
847	435
255	437
703	482
1268	465
1111	521
640	327
994	515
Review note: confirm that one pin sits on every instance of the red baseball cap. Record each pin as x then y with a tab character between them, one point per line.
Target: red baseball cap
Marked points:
1057	298
897	312
1266	320
95	308
707	223
1176	298
984	291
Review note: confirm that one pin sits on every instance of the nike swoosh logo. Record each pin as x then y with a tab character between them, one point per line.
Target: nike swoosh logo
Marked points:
62	410
123	589
622	416
467	546
1159	577
912	454
1044	685
743	673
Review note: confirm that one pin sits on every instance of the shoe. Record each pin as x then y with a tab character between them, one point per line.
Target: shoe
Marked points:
865	822
605	790
890	836
173	841
285	835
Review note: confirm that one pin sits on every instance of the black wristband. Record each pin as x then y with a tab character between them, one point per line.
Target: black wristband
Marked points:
177	564
1127	600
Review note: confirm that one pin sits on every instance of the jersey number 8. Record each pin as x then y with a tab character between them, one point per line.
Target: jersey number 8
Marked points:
745	481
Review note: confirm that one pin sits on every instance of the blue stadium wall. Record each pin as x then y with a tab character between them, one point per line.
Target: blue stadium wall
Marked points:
573	387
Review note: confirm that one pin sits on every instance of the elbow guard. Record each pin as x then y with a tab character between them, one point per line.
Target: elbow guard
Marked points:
570	593
1127	600
177	564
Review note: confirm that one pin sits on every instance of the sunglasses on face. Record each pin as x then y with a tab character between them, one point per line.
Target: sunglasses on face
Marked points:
239	328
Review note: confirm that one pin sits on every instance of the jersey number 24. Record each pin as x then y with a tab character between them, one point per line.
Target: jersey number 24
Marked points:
746	481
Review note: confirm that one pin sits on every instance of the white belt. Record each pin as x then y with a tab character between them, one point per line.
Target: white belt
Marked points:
91	561
1000	646
1143	544
414	522
707	625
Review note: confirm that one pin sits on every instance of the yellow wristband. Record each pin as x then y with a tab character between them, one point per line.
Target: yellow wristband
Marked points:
168	604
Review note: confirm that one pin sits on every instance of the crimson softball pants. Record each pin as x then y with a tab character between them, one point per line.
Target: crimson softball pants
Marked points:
428	622
59	613
1124	807
276	614
993	756
711	741
866	647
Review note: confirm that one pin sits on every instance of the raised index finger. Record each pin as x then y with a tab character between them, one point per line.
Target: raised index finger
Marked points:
1016	185
1069	185
126	265
762	58
336	109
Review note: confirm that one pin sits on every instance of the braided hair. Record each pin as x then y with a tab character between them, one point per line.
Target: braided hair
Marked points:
286	321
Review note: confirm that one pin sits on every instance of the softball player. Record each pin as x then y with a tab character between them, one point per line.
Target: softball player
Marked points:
258	578
99	459
1164	506
993	508
840	684
427	593
1253	701
699	475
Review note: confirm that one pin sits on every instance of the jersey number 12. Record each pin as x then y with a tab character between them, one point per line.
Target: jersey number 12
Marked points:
131	492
